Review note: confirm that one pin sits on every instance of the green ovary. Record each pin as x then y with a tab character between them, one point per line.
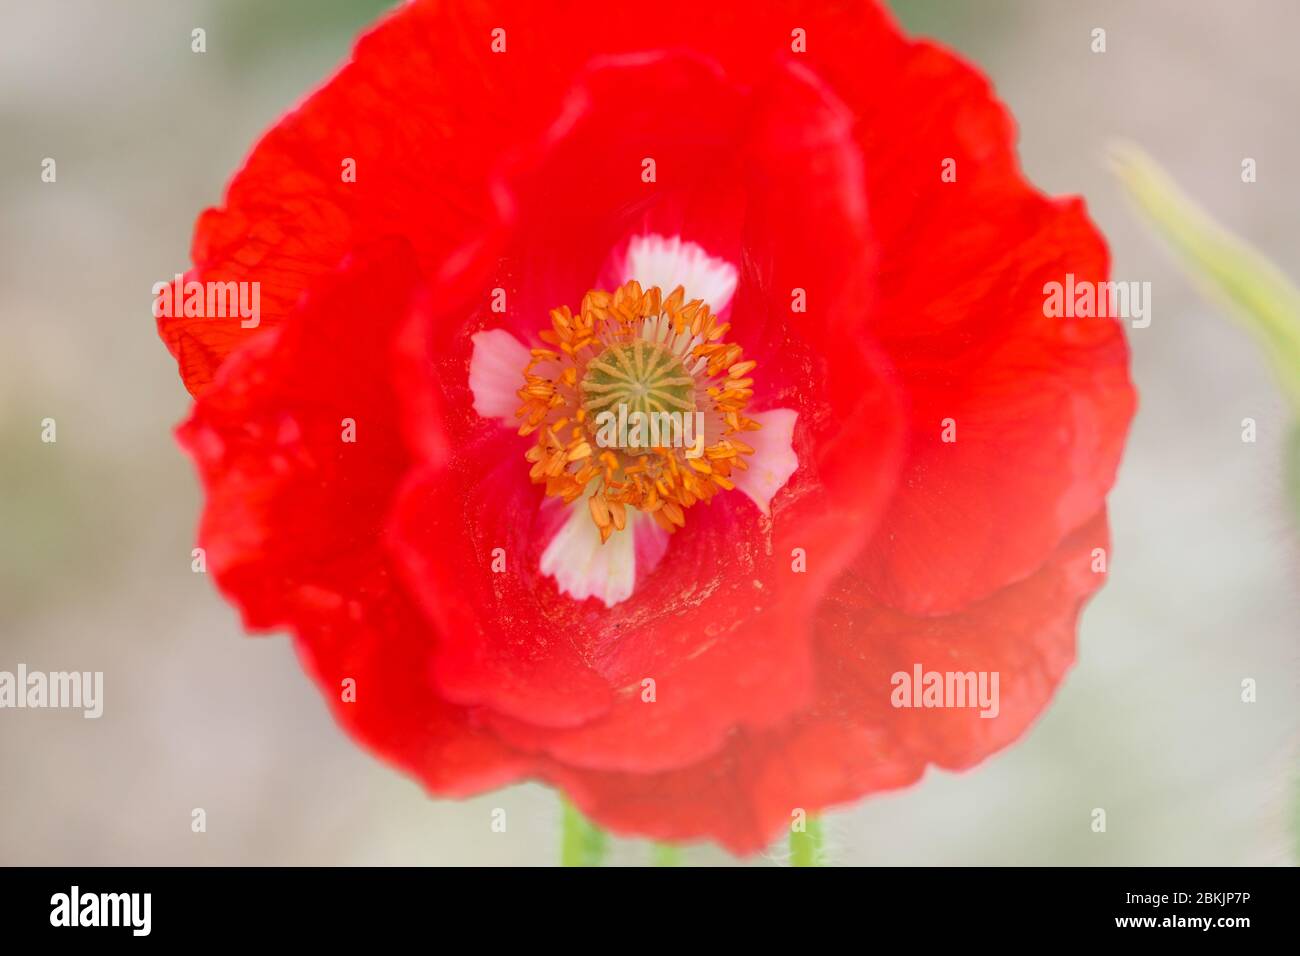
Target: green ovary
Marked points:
641	376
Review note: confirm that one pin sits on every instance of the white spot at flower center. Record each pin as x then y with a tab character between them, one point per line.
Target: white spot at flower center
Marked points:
669	262
583	567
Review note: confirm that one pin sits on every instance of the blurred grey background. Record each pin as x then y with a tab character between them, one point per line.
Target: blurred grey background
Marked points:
96	530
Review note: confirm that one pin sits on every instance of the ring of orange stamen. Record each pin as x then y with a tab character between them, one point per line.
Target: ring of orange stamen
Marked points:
648	353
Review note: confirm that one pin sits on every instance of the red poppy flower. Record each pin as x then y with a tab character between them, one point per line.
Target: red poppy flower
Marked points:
800	230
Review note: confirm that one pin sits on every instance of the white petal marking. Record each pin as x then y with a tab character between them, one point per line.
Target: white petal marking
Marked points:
670	262
773	461
583	567
496	373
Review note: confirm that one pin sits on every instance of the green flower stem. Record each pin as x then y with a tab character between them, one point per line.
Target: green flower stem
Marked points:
582	843
806	847
665	854
1227	268
1237	275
